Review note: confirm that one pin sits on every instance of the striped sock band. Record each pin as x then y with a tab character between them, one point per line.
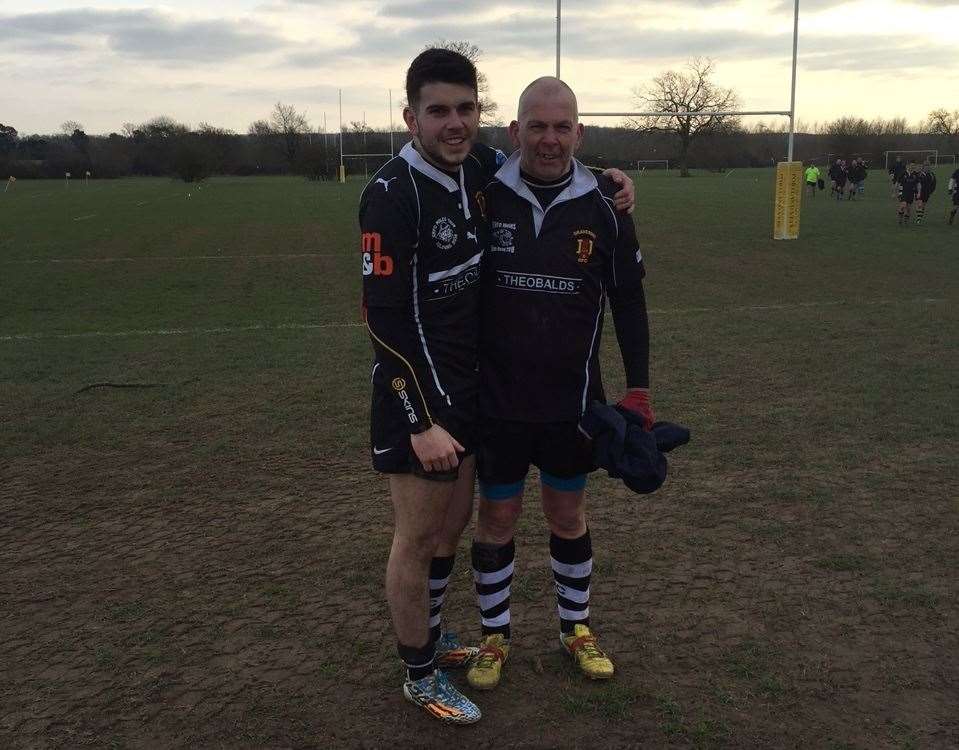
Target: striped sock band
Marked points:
572	563
492	575
440	570
419	662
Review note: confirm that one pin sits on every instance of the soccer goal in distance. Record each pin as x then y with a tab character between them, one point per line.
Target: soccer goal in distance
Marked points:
652	165
918	156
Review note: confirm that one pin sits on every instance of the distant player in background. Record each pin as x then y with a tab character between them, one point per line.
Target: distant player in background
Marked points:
840	176
812	179
835	170
927	186
954	189
908	192
857	177
896	172
850	187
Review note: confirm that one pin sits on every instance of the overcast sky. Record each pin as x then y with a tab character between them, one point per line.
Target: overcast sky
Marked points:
106	63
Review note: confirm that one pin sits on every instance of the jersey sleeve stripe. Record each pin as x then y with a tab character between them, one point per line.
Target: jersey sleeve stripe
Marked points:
403	359
419	328
419	209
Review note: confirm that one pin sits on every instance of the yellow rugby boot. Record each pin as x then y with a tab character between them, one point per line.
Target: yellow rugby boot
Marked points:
487	666
590	658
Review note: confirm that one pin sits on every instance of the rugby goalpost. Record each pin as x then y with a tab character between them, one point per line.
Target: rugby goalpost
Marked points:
788	173
342	170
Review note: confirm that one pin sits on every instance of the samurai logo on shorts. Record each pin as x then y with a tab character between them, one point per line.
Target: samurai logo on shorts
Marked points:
444	233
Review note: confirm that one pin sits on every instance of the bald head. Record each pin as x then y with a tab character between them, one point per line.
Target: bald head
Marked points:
546	129
547	88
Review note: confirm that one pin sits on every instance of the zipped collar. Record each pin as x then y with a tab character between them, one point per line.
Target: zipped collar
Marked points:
415	159
583	181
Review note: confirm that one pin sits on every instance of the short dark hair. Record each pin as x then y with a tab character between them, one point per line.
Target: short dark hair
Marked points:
438	65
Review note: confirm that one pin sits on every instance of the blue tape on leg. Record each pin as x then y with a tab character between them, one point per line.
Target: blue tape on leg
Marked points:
571	484
502	491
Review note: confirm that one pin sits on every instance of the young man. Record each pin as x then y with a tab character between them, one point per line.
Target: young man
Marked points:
812	179
909	186
423	234
558	250
927	186
422	240
954	190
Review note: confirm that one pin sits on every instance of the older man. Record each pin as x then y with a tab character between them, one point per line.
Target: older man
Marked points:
558	249
422	237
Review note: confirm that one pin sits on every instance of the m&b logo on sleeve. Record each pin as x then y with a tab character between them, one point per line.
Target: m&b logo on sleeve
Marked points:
374	262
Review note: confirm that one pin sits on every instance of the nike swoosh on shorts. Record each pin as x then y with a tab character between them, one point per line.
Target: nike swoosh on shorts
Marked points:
378	452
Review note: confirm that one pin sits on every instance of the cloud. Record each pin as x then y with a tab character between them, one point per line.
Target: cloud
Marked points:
144	34
433	9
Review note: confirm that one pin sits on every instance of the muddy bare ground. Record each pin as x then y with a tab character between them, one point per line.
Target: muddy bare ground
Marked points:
158	597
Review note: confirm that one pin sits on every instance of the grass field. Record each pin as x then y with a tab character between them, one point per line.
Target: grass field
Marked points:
198	561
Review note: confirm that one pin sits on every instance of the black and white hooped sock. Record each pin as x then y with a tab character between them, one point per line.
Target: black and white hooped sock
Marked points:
492	575
572	563
440	570
419	662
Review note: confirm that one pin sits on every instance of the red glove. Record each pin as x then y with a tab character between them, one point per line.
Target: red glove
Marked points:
637	401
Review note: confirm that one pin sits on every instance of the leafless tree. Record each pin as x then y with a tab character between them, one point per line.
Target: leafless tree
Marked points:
945	123
488	107
680	92
942	122
260	129
290	126
71	126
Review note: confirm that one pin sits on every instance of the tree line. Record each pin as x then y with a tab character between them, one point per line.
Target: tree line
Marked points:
286	143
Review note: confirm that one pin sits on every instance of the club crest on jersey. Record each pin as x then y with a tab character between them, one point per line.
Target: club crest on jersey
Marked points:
444	233
503	237
584	244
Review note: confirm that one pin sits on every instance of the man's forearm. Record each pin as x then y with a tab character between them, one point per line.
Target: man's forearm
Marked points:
632	332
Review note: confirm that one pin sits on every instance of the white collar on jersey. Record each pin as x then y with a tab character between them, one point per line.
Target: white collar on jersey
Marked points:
415	159
583	182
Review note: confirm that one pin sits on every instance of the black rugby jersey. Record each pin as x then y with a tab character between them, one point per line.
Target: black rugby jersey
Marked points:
909	185
927	183
545	280
422	238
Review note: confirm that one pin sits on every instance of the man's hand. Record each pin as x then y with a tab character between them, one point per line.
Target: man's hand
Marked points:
625	199
637	401
436	449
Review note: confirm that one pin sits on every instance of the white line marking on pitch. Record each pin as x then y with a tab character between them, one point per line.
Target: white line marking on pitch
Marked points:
84	218
177	257
178	331
316	326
